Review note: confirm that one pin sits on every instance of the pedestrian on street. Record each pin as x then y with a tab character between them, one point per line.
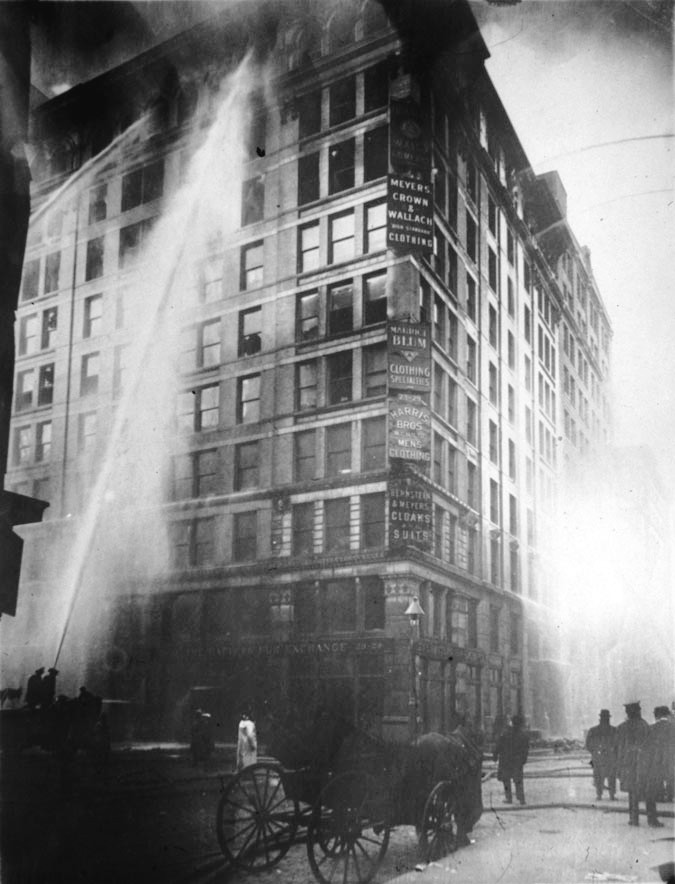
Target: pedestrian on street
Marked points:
511	754
631	736
48	687
601	743
34	688
660	756
247	743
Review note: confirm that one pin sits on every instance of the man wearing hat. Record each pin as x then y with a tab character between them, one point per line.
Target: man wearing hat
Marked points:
511	754
48	687
34	688
631	736
660	753
601	743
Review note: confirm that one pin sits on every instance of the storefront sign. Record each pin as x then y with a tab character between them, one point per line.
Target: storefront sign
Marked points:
410	214
409	356
292	649
409	145
410	513
410	430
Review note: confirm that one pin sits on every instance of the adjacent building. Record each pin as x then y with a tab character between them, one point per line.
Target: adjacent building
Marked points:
385	372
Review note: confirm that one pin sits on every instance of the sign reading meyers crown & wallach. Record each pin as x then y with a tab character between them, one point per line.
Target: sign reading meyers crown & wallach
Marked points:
410	214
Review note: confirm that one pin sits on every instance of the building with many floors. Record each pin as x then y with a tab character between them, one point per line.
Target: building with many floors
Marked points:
385	371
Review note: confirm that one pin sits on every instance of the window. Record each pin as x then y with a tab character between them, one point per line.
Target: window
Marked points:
251	272
306	617
142	185
245	536
511	350
309	113
470	297
510	247
452	402
23	443
375	299
440	180
513	514
470	421
93	312
471	485
200	409
211	280
493	334
98	206
514	634
512	459
132	238
339	376
120	368
373	593
308	316
248	399
439	252
471	358
308	178
438	320
510	297
492	215
453	336
376	227
494	502
252	200
340	309
492	270
472	625
52	267
336	525
451	483
250	331
437	463
46	384
511	395
372	520
246	460
376	86
375	153
208	344
303	529
31	279
494	629
94	260
87	429
341	166
527	323
341	237
338	449
373	452
28	335
306	385
494	560
342	101
196	474
471	181
91	366
452	270
304	459
494	442
471	237
308	247
492	383
339	605
375	371
25	384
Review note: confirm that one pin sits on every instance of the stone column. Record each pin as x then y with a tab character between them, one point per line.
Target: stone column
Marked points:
399	591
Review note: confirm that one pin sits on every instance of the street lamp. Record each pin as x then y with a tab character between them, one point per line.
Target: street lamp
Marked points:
414	612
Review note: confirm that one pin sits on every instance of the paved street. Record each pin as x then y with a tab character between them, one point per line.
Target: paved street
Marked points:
153	821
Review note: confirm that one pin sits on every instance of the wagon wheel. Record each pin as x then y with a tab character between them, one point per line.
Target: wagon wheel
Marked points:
438	835
349	830
257	818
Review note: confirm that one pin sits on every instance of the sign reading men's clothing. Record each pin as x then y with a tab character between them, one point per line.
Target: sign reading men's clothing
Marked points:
410	430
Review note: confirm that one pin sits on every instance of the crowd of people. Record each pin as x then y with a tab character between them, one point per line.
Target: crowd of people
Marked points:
641	757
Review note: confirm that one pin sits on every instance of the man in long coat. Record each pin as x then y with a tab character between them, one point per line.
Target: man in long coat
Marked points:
659	758
631	736
511	754
34	688
601	743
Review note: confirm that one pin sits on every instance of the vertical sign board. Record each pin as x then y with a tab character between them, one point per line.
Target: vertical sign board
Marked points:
409	144
409	437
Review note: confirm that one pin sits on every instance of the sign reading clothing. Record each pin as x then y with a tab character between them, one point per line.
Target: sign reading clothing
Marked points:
410	430
410	214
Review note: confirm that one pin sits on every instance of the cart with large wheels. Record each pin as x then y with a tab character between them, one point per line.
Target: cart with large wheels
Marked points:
345	811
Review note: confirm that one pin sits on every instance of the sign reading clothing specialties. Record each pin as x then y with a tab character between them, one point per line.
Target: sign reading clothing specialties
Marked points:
410	430
409	356
410	214
410	513
409	144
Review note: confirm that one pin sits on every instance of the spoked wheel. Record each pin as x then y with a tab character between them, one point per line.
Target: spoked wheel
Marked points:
438	835
349	830
257	818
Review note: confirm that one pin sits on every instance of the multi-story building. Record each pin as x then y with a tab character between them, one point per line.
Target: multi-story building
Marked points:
369	400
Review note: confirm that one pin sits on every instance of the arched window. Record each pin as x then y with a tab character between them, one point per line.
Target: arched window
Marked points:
340	30
65	157
373	18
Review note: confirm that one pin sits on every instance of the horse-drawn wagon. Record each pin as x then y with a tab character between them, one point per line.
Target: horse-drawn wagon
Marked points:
342	792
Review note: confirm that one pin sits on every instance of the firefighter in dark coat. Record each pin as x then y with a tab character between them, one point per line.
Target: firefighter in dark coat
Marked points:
659	757
631	736
34	688
511	754
601	743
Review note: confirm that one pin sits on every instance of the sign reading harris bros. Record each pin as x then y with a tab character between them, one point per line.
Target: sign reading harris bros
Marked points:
410	214
410	430
409	356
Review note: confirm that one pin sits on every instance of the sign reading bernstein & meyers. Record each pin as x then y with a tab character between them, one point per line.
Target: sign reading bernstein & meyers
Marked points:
410	513
410	430
410	214
409	356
